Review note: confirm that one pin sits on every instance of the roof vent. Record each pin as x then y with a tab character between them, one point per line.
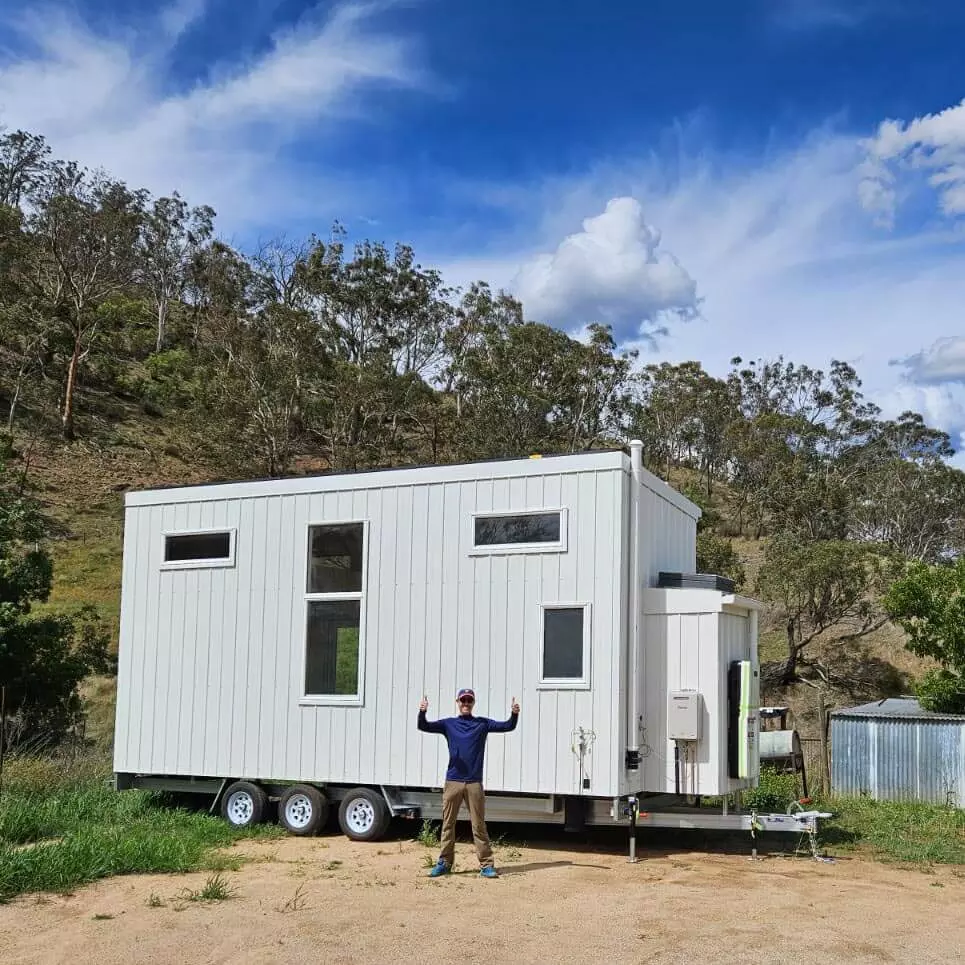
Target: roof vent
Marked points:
695	581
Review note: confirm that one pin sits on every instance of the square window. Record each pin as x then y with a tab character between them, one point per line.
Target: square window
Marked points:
565	646
332	648
335	558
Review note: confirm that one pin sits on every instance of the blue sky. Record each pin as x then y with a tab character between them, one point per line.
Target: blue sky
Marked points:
761	177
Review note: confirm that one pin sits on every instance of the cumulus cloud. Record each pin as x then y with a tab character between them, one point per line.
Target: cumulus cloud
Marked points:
783	255
612	271
113	100
942	362
942	406
931	146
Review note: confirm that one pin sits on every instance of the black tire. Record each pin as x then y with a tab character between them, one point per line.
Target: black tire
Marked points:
363	815
244	804
303	810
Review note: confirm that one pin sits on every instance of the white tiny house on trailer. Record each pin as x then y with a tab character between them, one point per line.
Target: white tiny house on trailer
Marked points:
277	637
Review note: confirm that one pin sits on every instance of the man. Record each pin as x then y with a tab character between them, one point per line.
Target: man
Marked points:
466	736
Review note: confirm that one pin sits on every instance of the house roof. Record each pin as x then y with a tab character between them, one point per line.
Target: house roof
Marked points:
892	707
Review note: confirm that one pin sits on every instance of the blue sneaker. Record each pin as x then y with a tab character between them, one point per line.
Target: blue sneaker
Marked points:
439	868
488	872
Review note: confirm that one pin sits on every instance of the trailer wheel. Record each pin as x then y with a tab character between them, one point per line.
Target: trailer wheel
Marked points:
303	810
363	815
244	804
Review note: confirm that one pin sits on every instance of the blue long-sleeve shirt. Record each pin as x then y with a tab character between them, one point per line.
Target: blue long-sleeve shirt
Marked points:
466	737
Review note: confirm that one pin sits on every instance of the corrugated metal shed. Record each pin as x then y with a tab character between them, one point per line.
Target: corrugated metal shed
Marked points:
895	750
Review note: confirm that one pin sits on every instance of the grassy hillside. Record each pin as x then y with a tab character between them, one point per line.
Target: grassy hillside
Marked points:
82	484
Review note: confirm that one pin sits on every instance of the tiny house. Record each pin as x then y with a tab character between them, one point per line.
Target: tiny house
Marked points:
277	637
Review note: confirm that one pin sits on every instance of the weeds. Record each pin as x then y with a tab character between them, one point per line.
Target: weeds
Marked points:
900	831
429	835
216	888
297	902
154	901
61	828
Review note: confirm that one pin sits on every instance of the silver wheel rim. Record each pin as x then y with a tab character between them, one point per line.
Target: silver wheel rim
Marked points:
298	811
360	815
240	807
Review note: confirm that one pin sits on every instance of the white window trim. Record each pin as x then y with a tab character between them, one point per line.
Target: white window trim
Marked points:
333	700
501	549
566	683
214	562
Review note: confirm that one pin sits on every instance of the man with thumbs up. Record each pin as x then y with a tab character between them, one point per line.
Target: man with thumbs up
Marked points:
466	736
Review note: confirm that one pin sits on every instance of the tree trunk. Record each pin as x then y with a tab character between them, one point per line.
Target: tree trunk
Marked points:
67	419
161	319
11	416
789	670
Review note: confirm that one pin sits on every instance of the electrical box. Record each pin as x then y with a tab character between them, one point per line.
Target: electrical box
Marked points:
743	708
683	716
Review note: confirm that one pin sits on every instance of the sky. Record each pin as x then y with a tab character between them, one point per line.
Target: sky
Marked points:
760	178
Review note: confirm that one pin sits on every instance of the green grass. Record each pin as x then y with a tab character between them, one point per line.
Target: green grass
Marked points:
908	832
60	828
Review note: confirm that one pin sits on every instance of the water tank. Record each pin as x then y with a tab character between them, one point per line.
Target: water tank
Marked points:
778	744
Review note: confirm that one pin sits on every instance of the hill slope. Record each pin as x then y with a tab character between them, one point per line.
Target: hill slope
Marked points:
81	486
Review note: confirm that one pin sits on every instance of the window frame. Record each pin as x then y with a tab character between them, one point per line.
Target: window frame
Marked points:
567	683
333	700
208	562
500	549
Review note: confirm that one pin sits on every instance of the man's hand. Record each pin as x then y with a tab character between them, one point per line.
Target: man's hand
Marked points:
424	705
515	706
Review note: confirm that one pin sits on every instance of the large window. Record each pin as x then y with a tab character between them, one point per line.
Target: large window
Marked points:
565	656
334	594
198	549
543	530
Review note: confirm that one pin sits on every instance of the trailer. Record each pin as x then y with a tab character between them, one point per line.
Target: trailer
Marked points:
277	636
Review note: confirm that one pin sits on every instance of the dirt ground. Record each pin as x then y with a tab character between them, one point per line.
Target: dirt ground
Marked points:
329	900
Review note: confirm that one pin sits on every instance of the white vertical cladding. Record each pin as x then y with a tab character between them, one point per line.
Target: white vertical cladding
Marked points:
212	663
670	542
691	639
681	654
129	718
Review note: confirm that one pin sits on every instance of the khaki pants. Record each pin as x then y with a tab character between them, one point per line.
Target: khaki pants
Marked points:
452	797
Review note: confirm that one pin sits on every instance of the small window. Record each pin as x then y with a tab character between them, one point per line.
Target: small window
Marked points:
198	549
335	558
520	531
565	654
332	649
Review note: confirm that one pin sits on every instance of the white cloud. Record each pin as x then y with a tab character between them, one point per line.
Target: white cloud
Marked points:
942	406
943	361
110	100
613	270
784	257
180	15
932	146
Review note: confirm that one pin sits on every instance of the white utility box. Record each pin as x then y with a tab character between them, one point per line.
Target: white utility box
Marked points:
683	716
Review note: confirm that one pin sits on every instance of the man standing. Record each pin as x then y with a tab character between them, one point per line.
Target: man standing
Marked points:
466	736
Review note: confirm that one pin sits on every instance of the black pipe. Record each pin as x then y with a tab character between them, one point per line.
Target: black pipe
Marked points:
676	767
